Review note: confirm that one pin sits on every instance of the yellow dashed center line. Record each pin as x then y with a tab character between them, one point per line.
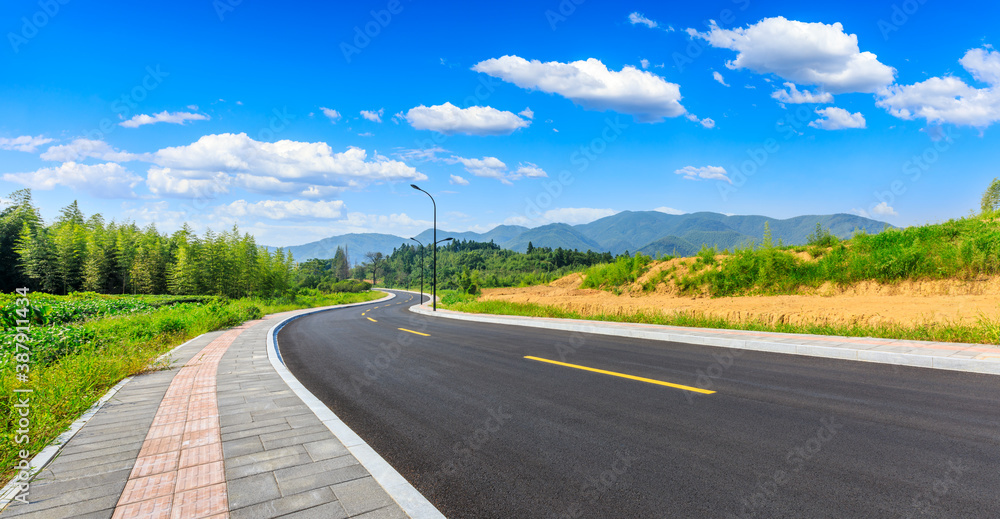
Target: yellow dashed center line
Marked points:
623	375
411	331
372	320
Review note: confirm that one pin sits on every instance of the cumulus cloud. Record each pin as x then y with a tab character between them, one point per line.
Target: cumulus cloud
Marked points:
884	209
492	167
187	184
307	168
373	116
718	77
488	167
25	143
804	53
644	62
458	181
529	170
527	113
285	210
108	180
475	120
644	95
87	148
793	96
948	99
668	210
834	118
707	123
163	117
704	173
330	114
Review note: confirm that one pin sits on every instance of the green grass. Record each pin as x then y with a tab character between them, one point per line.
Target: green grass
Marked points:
623	271
963	249
104	351
984	332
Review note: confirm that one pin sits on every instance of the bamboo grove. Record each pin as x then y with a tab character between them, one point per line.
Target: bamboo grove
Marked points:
77	253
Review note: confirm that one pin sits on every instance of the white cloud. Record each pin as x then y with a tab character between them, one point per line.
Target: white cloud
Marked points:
948	99
108	180
286	166
25	143
708	123
330	114
636	18
187	184
529	170
884	209
373	116
644	95
492	167
458	181
527	113
162	117
706	172
644	62
718	77
88	148
475	120
668	210
567	215
983	64
284	210
837	119
488	167
193	108
860	212
794	96
804	53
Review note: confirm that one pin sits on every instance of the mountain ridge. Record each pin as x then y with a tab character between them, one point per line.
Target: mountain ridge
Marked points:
649	232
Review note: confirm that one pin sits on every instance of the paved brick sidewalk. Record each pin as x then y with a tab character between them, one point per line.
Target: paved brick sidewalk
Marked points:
279	459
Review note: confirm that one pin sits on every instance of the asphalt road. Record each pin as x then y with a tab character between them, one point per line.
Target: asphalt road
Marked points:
482	431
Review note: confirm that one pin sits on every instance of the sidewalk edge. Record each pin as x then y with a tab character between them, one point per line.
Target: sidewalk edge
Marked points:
980	366
413	503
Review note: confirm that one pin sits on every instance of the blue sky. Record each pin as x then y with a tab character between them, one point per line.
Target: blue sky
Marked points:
300	121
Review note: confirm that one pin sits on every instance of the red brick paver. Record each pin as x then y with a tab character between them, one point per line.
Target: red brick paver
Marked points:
180	472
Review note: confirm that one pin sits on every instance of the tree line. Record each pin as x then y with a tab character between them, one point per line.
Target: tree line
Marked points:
78	253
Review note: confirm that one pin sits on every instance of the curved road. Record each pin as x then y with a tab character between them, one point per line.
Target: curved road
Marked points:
483	431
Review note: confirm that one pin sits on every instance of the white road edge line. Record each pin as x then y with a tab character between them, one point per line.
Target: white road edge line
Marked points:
413	503
46	455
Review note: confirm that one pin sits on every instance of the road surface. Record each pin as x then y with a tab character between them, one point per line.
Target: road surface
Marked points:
504	421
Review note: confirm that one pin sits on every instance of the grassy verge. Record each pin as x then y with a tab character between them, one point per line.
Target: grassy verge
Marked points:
117	347
984	332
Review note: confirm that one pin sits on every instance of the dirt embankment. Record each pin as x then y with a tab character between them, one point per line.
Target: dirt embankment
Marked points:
870	303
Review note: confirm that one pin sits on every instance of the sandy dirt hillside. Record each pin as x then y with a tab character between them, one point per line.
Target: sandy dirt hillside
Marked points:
905	303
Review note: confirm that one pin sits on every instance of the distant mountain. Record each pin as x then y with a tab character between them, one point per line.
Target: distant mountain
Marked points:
649	232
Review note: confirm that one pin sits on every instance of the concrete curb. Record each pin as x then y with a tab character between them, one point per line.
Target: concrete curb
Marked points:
413	503
665	333
47	454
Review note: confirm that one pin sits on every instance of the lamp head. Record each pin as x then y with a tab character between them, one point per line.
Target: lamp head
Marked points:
414	186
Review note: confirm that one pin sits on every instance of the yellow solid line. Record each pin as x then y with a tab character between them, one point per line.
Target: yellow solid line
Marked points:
372	320
623	375
411	331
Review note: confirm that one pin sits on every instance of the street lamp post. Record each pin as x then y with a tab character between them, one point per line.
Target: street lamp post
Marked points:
421	270
433	252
